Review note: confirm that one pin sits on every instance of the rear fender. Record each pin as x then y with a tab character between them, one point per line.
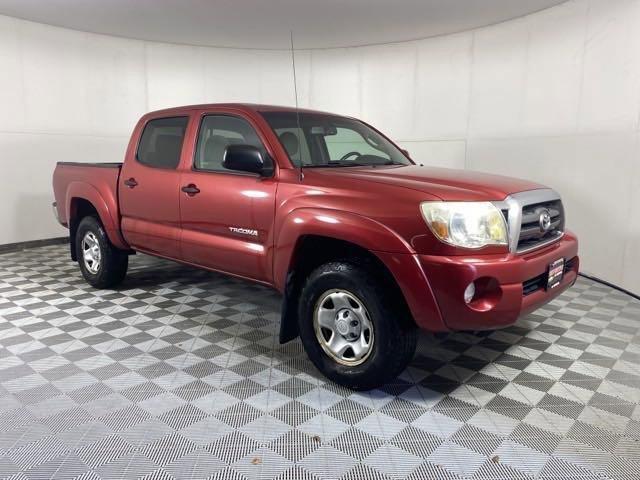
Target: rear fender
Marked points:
106	208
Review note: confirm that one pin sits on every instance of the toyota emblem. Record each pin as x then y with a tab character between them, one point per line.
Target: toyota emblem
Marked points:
545	221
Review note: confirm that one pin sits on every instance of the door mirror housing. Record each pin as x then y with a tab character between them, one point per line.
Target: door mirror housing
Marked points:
247	158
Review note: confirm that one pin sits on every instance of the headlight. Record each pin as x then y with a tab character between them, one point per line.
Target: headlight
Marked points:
466	224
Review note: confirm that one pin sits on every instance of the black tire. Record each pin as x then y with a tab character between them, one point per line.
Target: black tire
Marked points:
112	264
394	333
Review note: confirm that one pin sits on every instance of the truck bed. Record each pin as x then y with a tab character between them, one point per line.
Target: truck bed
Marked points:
96	182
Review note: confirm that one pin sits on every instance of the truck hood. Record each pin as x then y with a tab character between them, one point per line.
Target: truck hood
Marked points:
445	183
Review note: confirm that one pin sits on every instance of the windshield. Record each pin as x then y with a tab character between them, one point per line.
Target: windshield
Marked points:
332	141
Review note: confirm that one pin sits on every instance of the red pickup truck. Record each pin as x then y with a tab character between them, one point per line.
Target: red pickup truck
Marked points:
364	243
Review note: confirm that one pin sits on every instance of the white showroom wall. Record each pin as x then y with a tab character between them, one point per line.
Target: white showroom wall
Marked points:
553	97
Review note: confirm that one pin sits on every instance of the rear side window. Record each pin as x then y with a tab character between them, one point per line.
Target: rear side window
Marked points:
161	142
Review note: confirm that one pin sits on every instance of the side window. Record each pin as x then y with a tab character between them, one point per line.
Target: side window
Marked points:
161	142
216	133
347	140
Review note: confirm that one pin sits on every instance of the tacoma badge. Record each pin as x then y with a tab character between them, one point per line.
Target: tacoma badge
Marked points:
244	231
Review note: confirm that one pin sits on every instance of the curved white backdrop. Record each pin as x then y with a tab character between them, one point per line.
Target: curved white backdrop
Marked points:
553	97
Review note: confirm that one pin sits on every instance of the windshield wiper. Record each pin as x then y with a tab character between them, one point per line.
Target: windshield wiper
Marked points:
338	163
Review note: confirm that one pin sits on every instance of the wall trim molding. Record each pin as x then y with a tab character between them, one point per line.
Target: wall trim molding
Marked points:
14	247
610	285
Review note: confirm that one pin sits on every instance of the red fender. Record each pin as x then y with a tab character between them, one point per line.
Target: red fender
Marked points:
392	250
349	227
106	207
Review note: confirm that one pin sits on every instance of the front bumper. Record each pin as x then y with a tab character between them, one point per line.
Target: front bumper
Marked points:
499	300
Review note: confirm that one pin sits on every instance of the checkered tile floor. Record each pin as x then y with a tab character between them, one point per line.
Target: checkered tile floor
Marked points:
179	374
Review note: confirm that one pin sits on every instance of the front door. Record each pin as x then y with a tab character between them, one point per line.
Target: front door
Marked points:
227	217
149	188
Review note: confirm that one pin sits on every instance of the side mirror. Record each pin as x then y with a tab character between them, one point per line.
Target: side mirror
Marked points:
246	158
405	152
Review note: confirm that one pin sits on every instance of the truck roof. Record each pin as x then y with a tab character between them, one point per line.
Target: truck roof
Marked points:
252	107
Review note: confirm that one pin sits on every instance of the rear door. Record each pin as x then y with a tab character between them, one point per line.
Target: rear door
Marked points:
227	216
149	188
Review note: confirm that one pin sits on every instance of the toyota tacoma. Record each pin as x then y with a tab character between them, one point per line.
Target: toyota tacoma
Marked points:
365	244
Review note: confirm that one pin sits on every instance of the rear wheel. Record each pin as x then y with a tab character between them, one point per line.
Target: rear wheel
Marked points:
102	265
353	327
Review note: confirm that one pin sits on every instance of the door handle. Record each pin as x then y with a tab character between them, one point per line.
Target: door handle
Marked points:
131	182
191	190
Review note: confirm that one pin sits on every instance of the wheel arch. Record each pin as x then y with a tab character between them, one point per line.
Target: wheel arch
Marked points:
83	200
79	209
311	237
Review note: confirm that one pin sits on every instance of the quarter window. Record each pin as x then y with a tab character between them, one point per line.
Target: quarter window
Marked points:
217	132
161	142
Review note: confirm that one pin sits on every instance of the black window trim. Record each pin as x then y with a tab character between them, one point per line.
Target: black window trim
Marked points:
146	124
227	171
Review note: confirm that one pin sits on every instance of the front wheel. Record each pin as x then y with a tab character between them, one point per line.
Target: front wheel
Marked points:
102	265
353	328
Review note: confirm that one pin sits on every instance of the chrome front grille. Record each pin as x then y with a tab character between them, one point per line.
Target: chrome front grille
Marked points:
527	229
532	235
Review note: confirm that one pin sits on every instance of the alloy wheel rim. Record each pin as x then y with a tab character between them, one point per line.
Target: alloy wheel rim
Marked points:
343	327
91	252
